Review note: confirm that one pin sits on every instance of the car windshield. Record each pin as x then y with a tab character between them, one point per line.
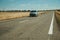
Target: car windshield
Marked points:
33	11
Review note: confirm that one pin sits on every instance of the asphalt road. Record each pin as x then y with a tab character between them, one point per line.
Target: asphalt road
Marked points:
28	28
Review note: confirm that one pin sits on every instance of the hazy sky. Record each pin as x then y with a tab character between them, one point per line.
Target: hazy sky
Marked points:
29	4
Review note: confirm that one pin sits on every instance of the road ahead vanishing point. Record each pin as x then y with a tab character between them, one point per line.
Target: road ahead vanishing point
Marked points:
28	28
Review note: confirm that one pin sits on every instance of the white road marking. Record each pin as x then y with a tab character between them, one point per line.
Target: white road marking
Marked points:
50	32
23	21
51	26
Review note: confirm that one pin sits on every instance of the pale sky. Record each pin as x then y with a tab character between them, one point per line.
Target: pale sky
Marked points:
29	4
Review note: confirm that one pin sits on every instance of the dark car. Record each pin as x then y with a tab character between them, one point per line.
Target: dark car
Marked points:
33	13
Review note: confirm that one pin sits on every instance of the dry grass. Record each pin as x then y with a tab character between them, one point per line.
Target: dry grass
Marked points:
58	16
9	15
41	12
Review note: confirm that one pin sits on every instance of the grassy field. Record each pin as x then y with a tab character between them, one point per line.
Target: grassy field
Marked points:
9	15
58	16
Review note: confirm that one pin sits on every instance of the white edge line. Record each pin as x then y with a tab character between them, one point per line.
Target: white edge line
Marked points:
50	32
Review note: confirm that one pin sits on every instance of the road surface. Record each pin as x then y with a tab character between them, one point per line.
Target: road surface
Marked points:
28	28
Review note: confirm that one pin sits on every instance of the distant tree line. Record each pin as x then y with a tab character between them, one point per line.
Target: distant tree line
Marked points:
18	10
14	10
25	10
